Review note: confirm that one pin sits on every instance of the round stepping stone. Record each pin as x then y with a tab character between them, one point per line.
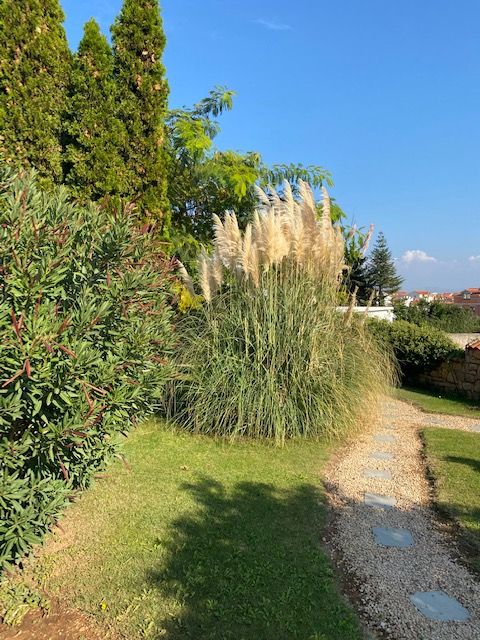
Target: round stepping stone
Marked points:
381	455
380	437
390	427
437	605
389	537
381	502
381	474
475	428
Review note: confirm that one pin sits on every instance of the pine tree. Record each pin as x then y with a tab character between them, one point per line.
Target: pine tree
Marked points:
34	68
138	41
356	279
94	134
381	272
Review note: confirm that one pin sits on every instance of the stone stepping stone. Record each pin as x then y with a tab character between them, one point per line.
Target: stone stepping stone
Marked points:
434	420
437	605
380	437
381	502
381	474
390	427
389	537
381	455
475	428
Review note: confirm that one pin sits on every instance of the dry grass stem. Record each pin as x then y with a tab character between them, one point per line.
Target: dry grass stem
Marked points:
185	277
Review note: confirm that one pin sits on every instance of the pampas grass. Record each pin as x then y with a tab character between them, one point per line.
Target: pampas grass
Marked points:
269	355
281	230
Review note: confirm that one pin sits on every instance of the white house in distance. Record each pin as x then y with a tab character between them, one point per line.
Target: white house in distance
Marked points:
416	296
408	298
381	313
400	296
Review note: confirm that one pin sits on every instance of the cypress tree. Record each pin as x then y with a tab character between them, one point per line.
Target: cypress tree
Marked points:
138	41
381	272
34	67
94	134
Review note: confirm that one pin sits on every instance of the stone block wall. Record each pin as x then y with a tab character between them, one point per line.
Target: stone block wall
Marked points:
459	375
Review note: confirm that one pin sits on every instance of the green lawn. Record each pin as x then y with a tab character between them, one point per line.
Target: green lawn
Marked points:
435	402
200	540
454	460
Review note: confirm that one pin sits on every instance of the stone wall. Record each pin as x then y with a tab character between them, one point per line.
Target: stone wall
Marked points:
459	375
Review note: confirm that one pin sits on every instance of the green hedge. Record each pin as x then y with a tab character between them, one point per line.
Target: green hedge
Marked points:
447	317
85	328
417	348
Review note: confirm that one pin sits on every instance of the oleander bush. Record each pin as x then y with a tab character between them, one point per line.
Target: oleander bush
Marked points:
268	355
417	348
85	328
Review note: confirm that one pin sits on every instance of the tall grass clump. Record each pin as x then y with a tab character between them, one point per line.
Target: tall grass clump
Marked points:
268	355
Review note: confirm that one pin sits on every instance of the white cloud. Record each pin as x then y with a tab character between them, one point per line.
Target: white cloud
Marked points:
474	258
416	255
273	26
440	275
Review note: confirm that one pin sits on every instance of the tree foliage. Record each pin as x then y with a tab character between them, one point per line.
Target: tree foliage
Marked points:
381	271
355	281
34	68
204	180
138	43
95	135
448	317
417	348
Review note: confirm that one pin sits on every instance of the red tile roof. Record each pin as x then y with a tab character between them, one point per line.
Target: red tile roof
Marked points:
473	345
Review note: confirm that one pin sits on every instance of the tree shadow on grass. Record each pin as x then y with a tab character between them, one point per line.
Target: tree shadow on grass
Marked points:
247	565
465	527
464	516
469	462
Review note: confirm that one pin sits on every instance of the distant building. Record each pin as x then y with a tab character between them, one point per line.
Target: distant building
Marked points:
469	299
446	298
380	313
401	296
416	296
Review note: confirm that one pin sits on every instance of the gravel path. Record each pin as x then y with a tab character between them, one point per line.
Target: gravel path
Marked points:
406	412
382	579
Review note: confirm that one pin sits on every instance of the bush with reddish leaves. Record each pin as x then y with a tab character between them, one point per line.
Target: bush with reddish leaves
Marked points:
86	337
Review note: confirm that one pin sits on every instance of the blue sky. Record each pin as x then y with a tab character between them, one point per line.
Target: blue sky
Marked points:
384	94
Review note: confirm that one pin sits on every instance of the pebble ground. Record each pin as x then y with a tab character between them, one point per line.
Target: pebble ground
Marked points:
381	579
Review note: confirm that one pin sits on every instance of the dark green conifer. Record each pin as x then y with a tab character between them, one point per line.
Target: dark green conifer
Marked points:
95	135
34	68
138	41
381	272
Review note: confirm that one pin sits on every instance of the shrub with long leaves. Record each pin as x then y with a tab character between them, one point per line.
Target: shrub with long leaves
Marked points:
86	337
269	355
418	348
